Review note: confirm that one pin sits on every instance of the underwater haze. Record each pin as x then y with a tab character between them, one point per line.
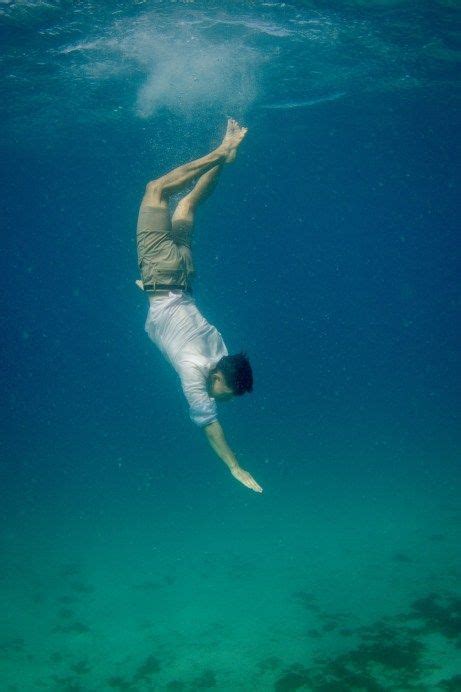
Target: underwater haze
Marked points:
130	558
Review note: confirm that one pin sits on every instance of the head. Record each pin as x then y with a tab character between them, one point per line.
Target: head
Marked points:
231	376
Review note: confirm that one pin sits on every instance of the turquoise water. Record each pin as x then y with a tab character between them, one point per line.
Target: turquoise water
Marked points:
130	558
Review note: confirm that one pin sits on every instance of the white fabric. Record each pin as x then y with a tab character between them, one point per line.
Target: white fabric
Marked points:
191	344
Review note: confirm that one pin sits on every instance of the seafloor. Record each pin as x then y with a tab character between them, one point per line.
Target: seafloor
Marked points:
331	594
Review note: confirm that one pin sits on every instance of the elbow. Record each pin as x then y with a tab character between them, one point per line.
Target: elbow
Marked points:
208	429
211	429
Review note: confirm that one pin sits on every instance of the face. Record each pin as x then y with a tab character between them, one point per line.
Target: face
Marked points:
218	388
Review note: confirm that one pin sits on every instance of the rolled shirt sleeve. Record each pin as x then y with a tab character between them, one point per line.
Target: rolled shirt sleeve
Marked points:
202	408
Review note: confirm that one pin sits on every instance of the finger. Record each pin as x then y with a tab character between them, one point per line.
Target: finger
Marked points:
254	486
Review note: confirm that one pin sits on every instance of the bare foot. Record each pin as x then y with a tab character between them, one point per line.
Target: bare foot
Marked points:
229	131
234	135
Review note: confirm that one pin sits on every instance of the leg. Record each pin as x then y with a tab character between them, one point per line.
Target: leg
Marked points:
155	240
158	191
158	238
183	218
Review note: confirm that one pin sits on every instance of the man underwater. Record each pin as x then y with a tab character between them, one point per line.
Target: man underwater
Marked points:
194	347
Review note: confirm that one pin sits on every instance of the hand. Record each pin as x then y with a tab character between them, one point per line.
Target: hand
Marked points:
245	478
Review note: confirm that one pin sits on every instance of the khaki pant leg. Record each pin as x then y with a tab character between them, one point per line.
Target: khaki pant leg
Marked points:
159	258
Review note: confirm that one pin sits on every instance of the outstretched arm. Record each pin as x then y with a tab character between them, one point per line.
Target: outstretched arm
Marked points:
215	436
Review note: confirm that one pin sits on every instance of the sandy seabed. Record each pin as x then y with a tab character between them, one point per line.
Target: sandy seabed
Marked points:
365	597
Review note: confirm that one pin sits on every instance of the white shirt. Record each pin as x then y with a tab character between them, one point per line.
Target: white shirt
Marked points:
191	344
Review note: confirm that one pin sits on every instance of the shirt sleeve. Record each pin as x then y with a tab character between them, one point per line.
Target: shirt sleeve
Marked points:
202	408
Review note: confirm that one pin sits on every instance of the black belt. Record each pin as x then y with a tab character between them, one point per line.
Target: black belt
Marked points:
167	287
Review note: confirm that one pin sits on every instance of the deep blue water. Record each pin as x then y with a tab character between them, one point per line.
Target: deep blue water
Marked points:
329	252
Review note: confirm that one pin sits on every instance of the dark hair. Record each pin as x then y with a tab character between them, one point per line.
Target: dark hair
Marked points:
237	373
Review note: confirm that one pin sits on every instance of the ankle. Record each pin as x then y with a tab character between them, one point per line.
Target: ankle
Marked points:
223	150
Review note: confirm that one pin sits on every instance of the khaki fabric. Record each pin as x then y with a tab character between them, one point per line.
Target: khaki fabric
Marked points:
163	258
